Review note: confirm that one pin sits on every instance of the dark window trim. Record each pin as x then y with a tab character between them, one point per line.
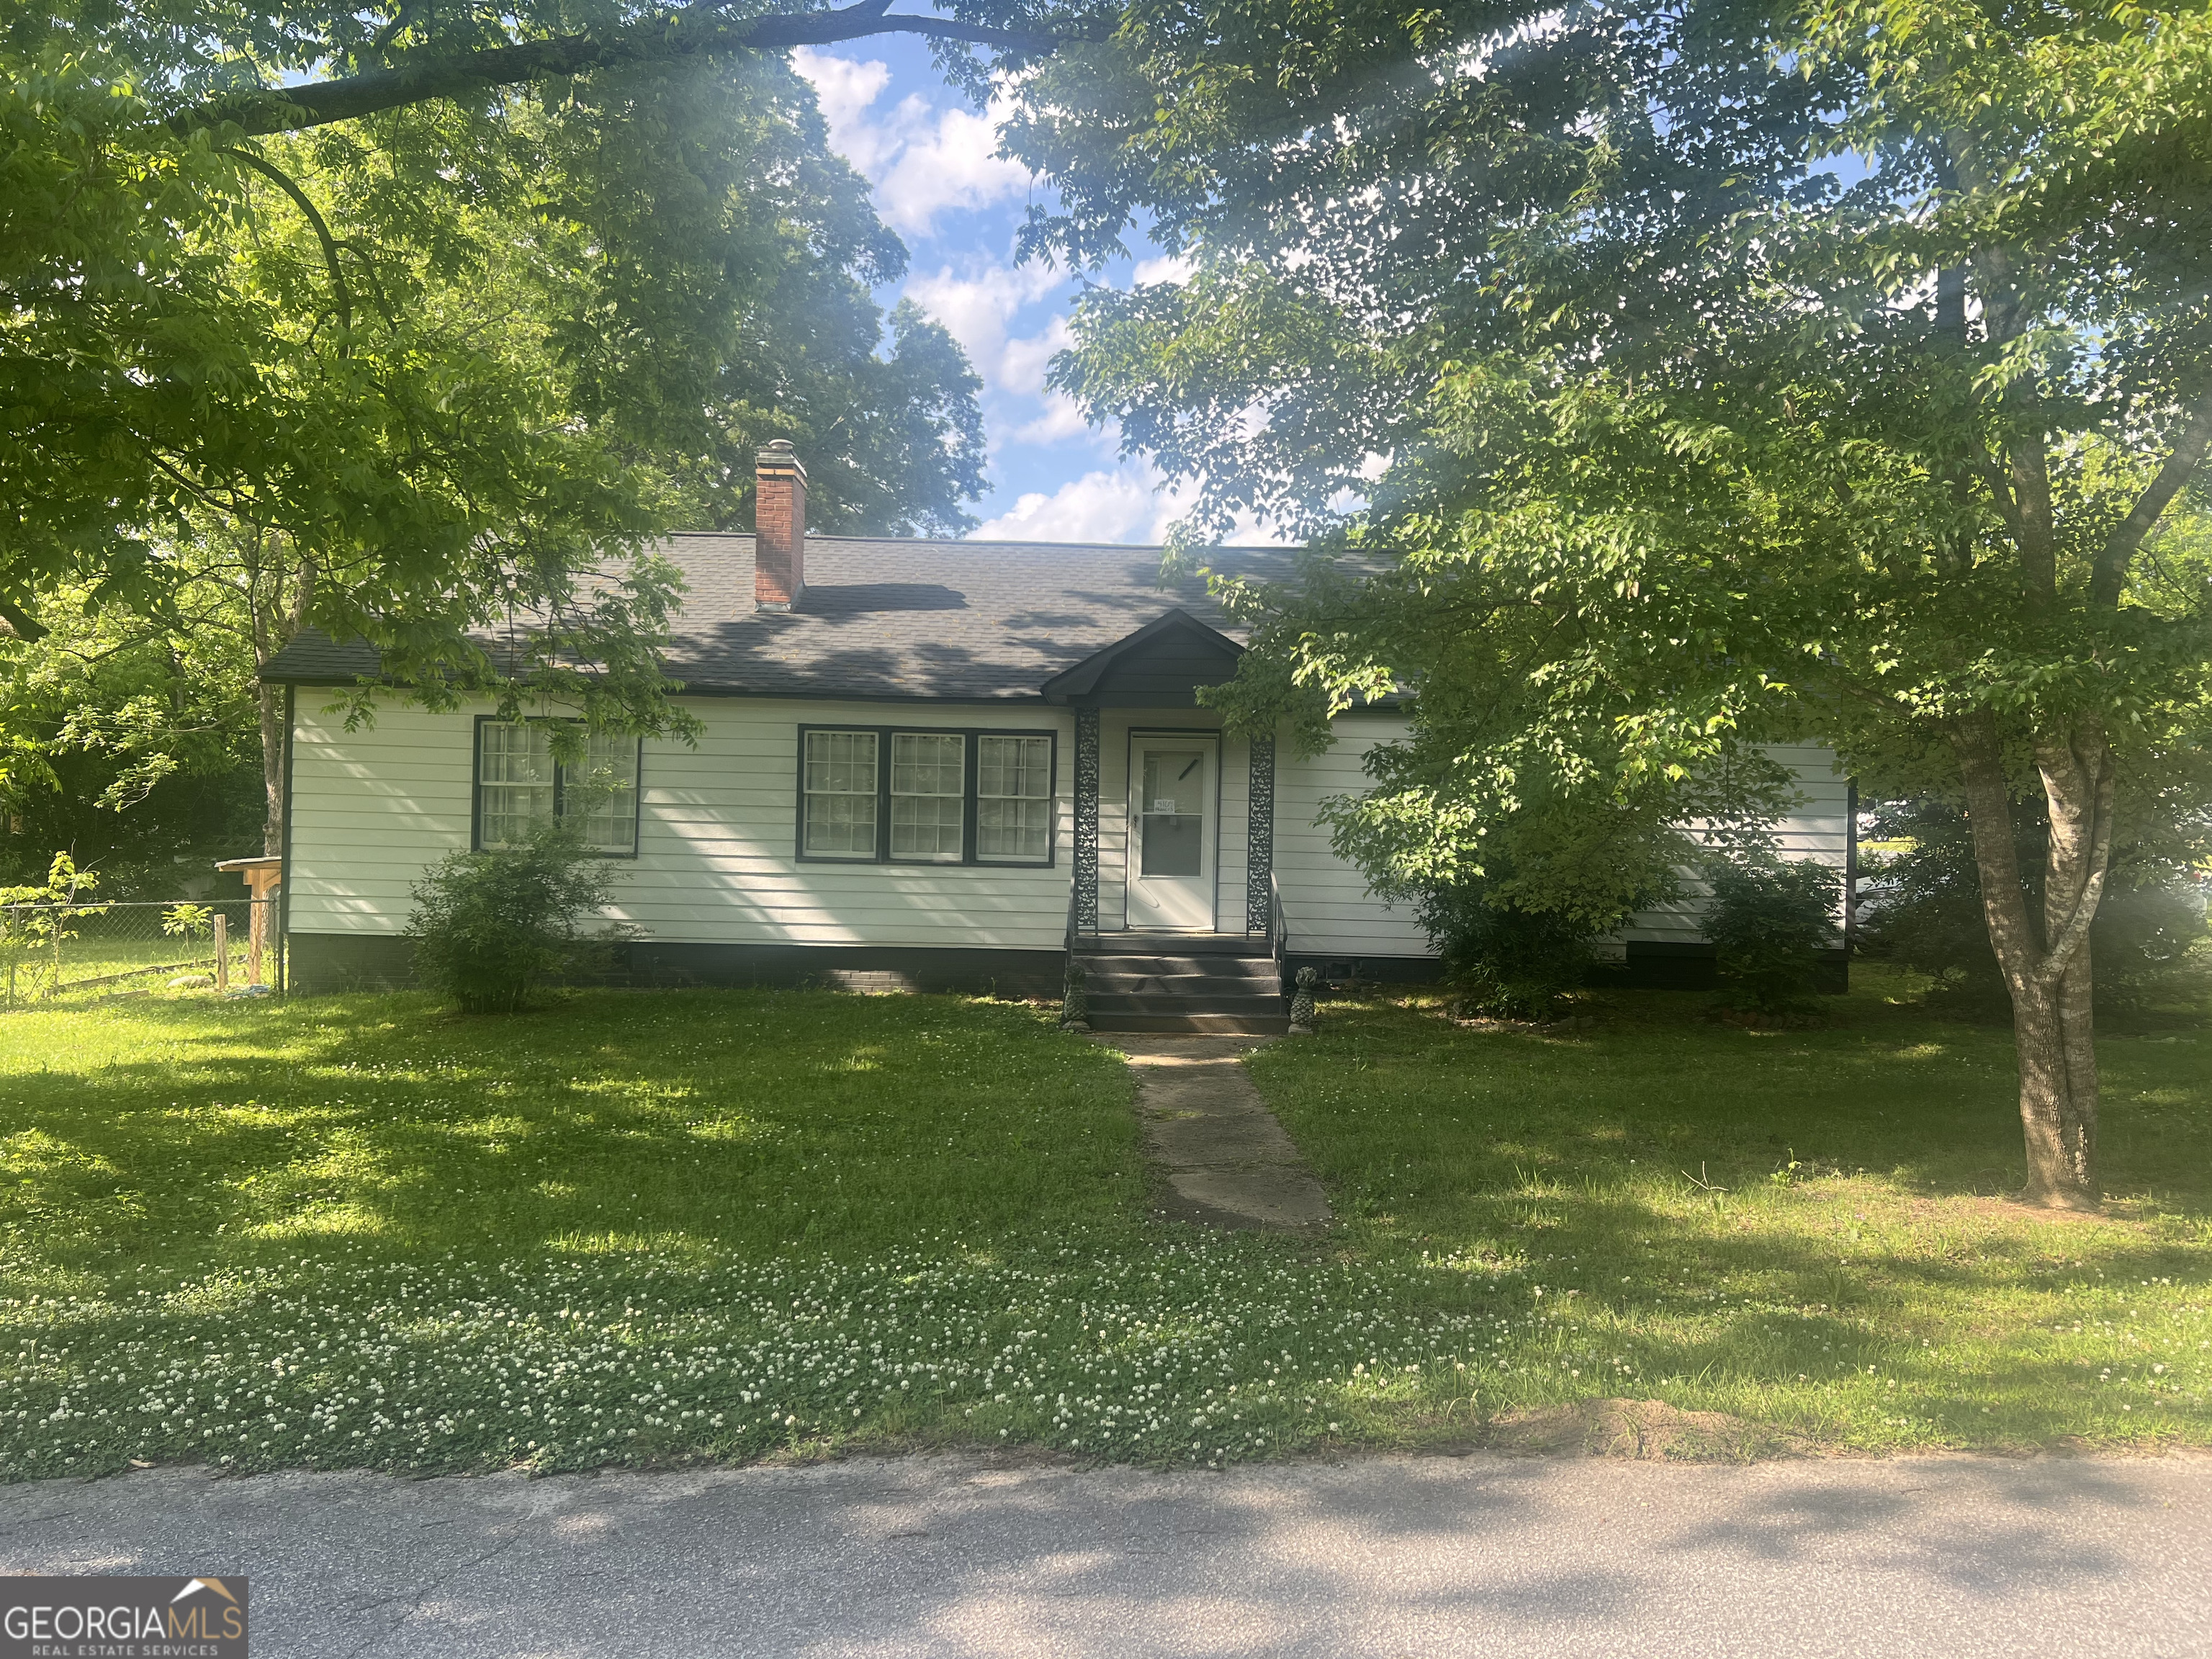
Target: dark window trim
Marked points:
560	778
972	749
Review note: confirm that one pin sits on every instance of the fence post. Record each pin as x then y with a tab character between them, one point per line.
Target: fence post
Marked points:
257	930
221	951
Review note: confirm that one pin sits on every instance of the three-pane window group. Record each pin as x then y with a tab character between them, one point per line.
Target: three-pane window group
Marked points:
922	815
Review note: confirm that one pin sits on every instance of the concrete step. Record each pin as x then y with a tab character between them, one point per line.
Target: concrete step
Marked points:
1120	974
1211	945
1210	995
1139	1002
1193	1025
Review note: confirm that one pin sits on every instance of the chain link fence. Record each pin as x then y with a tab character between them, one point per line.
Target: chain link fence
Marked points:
87	951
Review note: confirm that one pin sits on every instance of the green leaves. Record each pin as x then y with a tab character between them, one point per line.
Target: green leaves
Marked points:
445	369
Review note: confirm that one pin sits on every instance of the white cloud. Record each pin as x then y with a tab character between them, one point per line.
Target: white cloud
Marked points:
845	90
1168	268
954	165
1125	505
979	308
1062	419
1022	363
1131	504
922	159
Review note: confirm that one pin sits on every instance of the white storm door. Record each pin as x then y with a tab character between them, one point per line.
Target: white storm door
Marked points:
1172	834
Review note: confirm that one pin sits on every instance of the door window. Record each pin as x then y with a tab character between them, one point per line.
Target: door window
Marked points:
1174	813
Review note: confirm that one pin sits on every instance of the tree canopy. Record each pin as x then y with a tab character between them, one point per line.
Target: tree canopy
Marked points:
415	375
1682	375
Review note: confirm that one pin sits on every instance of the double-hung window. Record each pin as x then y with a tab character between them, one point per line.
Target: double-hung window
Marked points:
929	796
520	787
884	795
841	794
1013	800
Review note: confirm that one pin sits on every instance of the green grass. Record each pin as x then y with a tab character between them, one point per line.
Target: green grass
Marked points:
118	954
649	1228
1806	1230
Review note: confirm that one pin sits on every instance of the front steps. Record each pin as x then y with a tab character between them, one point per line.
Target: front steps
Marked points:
1192	984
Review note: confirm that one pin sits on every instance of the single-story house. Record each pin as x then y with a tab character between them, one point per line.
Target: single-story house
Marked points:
936	764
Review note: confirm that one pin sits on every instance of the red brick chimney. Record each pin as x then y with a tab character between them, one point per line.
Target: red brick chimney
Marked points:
779	528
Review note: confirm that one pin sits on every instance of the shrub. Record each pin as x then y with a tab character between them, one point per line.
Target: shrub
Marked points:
489	927
1503	961
1768	920
1922	909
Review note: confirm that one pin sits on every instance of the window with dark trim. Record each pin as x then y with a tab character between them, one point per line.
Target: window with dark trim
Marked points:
926	795
520	787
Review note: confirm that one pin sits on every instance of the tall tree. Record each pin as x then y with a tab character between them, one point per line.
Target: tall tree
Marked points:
1709	373
130	747
423	373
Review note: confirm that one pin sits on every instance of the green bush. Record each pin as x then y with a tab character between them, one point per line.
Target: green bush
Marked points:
1768	920
1503	961
1923	910
489	927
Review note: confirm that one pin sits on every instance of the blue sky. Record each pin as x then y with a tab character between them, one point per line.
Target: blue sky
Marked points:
929	155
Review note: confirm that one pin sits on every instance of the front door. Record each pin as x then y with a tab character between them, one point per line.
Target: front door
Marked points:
1172	834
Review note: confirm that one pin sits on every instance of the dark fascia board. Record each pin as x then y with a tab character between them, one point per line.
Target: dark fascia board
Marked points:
1082	679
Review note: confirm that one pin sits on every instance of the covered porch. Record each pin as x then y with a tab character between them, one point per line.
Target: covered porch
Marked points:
1174	917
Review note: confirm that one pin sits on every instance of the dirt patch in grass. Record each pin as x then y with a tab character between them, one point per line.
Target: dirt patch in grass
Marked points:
1650	1431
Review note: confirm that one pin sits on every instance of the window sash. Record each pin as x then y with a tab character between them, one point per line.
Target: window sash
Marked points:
929	796
517	782
840	794
1013	800
603	799
520	789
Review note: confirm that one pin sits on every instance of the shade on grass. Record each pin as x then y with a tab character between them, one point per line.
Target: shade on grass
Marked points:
1806	1228
641	1228
188	1134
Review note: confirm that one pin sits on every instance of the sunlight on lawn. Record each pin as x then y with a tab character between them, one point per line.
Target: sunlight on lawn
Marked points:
360	1232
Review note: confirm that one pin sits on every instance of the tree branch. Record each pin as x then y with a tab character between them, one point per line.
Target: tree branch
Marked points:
693	31
2120	545
284	182
25	626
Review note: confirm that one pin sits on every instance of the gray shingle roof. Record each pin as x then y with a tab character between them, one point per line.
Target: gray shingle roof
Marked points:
967	621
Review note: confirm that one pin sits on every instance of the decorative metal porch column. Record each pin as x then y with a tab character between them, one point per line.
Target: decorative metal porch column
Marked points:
1086	821
1259	837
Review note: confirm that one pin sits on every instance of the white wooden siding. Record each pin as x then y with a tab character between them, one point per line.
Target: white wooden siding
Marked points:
1818	828
716	859
372	809
1326	903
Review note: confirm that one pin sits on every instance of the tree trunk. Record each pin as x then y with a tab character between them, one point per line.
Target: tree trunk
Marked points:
2077	784
274	622
272	768
2047	970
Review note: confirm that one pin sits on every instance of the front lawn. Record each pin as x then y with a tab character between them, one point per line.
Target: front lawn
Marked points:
1805	1230
645	1228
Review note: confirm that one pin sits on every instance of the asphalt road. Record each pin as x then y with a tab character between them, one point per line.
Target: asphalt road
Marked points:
1954	1557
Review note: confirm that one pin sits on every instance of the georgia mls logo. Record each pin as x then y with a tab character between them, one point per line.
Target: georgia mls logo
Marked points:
123	1619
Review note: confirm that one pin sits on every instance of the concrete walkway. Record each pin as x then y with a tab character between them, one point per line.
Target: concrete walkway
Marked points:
1920	1558
1226	1161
